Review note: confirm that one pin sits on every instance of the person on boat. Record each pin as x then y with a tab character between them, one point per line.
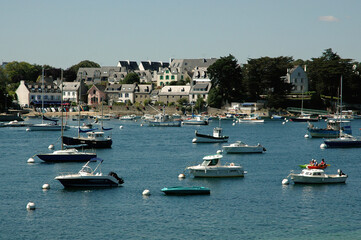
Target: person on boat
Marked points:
323	162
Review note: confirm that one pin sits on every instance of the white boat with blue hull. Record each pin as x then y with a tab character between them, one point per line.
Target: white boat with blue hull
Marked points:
67	155
87	177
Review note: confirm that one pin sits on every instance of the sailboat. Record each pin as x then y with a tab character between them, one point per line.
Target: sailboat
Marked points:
303	116
53	126
344	140
195	120
66	155
93	139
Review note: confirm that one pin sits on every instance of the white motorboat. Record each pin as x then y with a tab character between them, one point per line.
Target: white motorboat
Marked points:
241	147
252	118
211	168
67	155
128	117
87	177
206	138
197	120
318	176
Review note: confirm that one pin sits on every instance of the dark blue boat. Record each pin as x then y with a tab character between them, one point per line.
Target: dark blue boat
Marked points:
186	190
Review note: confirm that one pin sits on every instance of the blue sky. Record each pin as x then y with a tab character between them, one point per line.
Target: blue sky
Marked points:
63	33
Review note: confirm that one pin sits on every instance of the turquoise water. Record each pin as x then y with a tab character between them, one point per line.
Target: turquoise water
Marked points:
257	206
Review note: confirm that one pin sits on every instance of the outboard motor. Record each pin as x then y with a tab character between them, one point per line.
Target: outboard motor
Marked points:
113	174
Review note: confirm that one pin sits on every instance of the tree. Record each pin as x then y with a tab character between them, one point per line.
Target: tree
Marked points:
263	76
131	78
226	77
70	74
214	98
199	104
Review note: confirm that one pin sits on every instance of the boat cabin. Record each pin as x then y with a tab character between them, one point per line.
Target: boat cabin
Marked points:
217	132
313	172
212	160
95	135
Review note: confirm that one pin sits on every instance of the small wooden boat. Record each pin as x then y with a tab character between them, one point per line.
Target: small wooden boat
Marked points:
186	190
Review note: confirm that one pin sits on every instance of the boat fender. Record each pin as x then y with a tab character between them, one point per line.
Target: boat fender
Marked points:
232	164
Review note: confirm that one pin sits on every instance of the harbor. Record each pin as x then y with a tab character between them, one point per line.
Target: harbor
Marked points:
256	206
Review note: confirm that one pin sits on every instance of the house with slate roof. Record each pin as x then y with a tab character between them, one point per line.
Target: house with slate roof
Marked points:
127	93
199	90
173	93
96	94
71	91
128	66
113	92
30	93
297	76
96	75
142	92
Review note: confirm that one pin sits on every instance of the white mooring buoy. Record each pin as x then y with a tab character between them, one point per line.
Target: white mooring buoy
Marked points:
307	136
146	192
46	186
285	181
181	175
51	147
120	127
30	206
31	160
323	146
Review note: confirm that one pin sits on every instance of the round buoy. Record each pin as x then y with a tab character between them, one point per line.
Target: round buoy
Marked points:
194	140
233	124
46	186
285	181
181	175
120	127
307	136
219	151
51	147
31	160
141	124
28	129
283	123
146	192
30	206
323	146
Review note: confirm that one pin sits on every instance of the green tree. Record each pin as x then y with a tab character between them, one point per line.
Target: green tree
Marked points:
199	105
226	77
214	98
131	78
70	74
263	76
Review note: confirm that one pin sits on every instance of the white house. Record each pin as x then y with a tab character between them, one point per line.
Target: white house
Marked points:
34	93
298	77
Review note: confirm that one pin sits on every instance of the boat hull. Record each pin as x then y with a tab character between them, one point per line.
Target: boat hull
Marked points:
165	124
204	138
216	173
44	127
84	157
325	133
85	181
256	149
193	122
339	143
186	191
87	143
304	119
318	180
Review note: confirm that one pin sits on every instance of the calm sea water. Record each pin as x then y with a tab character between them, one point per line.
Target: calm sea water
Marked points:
257	206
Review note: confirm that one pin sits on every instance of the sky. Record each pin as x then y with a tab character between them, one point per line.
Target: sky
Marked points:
63	33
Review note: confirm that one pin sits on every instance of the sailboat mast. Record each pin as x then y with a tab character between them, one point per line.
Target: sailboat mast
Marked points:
42	95
61	107
79	98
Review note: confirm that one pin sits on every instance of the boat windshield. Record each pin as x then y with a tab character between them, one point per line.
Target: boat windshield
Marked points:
211	162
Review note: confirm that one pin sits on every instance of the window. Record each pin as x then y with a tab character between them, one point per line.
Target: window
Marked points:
301	80
161	78
94	91
166	77
167	71
172	77
181	77
126	95
51	97
121	95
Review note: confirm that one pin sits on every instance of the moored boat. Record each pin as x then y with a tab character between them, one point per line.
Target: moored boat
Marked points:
178	190
67	155
87	177
344	141
211	167
317	176
332	129
241	147
217	137
197	120
92	140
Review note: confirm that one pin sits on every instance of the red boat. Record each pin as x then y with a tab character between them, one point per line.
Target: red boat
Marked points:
309	166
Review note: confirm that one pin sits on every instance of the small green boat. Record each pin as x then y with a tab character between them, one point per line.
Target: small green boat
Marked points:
186	190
